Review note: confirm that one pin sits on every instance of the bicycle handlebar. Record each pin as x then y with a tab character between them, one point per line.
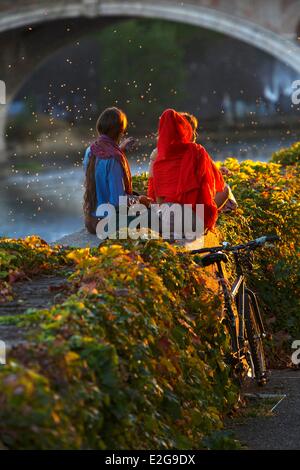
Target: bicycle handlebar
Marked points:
267	238
226	247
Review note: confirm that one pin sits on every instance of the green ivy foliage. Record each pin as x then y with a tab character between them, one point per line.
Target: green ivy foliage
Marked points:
133	359
20	259
268	197
288	156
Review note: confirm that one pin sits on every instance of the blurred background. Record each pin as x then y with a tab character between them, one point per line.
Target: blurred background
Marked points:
240	93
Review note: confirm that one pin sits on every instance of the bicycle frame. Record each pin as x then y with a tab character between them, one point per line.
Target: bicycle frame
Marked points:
256	308
240	294
229	295
242	315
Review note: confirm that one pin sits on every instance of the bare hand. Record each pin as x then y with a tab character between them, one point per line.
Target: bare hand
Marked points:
146	201
229	206
127	144
225	171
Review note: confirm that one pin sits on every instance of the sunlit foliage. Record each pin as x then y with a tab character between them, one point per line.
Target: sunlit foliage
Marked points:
268	197
134	357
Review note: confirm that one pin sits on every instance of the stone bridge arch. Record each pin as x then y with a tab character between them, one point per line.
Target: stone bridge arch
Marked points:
275	40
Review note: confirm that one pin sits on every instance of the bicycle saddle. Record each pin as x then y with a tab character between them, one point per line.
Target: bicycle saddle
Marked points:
213	258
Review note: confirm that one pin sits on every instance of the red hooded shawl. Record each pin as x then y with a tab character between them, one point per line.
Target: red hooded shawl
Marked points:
184	172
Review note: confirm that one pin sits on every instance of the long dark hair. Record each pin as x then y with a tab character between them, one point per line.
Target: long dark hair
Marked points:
113	123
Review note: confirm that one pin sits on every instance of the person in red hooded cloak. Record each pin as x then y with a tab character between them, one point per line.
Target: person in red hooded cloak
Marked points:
183	171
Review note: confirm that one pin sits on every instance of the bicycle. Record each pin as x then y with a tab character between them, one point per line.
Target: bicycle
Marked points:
242	314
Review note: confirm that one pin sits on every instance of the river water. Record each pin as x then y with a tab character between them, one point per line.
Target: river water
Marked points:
49	204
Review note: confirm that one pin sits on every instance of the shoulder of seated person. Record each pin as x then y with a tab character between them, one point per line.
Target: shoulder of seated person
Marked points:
153	154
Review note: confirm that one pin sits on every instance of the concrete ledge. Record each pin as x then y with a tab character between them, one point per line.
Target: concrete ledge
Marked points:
80	239
83	239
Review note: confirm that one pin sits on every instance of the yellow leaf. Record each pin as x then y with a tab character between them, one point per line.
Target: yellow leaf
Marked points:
71	357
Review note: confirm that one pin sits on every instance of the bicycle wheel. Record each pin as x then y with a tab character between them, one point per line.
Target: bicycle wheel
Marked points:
234	359
254	337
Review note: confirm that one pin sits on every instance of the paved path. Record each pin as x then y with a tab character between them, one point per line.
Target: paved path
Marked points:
40	292
281	430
